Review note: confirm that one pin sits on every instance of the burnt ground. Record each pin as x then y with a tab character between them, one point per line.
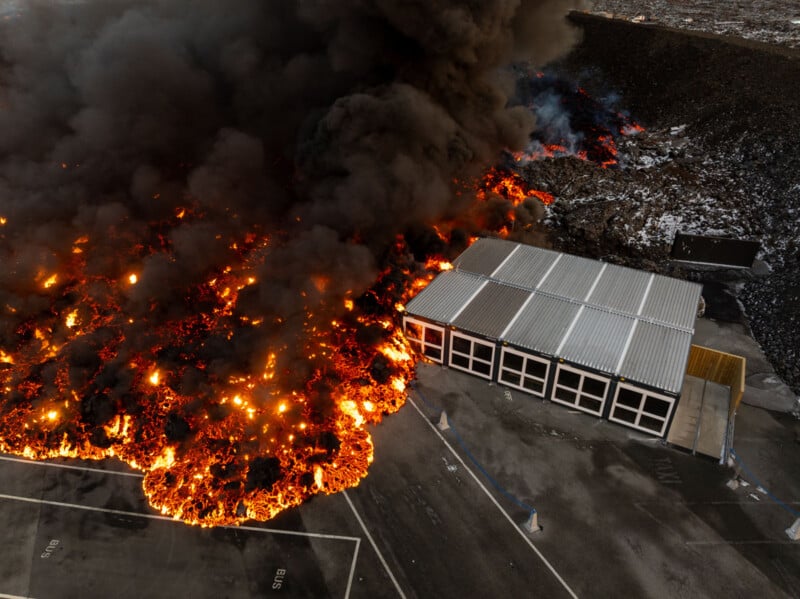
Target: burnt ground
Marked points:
718	157
772	21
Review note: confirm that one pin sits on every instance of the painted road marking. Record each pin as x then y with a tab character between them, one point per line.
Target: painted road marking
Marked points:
764	542
374	546
6	458
89	508
494	501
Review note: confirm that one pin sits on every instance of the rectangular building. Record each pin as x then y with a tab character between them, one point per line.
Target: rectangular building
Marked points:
607	340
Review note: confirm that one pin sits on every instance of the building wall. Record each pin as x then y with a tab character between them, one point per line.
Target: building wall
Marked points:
572	385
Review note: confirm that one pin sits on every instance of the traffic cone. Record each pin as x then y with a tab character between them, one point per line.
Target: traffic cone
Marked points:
532	525
793	532
443	423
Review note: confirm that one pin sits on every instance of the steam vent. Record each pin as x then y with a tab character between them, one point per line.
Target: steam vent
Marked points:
606	340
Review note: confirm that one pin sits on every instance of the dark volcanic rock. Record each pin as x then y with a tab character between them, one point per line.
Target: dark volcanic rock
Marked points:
718	157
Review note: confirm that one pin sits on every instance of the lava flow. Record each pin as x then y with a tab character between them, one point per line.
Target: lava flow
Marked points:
206	282
570	122
214	449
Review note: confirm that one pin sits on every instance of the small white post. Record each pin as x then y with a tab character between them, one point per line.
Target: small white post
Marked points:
443	423
793	532
532	524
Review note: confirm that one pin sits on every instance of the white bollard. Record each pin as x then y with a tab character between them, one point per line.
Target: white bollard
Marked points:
443	423
793	532
532	524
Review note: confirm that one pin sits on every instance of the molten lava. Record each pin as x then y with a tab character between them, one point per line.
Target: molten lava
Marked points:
95	376
215	452
510	186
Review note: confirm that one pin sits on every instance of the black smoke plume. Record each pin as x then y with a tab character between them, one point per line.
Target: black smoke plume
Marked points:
166	136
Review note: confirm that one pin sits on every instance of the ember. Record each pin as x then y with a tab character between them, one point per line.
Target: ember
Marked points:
570	122
205	258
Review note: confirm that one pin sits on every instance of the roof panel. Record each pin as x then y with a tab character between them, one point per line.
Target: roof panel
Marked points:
673	301
445	296
484	256
657	357
598	339
542	324
572	277
620	289
526	266
491	310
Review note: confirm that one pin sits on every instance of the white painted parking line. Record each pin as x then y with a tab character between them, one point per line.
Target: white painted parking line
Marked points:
757	542
374	546
90	508
352	570
6	458
517	527
276	531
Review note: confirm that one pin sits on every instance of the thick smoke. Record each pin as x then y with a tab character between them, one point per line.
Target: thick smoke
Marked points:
183	125
342	123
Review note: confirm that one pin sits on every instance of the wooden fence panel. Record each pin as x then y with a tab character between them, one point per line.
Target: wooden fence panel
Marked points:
719	367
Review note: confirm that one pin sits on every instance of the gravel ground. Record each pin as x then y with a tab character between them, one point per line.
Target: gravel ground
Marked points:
718	156
770	21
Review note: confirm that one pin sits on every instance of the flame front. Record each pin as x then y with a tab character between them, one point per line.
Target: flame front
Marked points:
222	449
93	375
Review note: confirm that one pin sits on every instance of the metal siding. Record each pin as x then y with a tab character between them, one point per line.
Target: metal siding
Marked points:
484	256
444	296
597	339
491	310
542	325
620	289
657	354
526	267
673	301
657	357
572	277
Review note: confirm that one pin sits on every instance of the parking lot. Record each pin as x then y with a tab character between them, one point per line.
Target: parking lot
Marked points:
440	515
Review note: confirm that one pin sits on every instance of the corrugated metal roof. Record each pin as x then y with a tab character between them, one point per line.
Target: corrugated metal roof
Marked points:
542	324
572	277
597	339
445	296
527	266
657	357
620	289
673	301
487	294
491	310
484	256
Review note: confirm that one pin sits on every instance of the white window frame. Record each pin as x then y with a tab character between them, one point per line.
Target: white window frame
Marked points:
579	391
641	411
421	344
523	374
470	357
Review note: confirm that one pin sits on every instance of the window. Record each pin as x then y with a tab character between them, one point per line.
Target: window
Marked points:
581	390
640	409
470	354
425	338
523	371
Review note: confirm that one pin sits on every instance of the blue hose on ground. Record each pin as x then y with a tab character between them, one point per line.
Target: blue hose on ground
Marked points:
495	484
755	481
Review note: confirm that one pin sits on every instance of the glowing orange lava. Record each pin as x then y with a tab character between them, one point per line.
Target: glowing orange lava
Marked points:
229	446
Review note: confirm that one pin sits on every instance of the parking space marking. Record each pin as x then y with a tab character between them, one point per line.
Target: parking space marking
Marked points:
494	501
757	542
91	508
7	458
352	570
374	545
4	596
